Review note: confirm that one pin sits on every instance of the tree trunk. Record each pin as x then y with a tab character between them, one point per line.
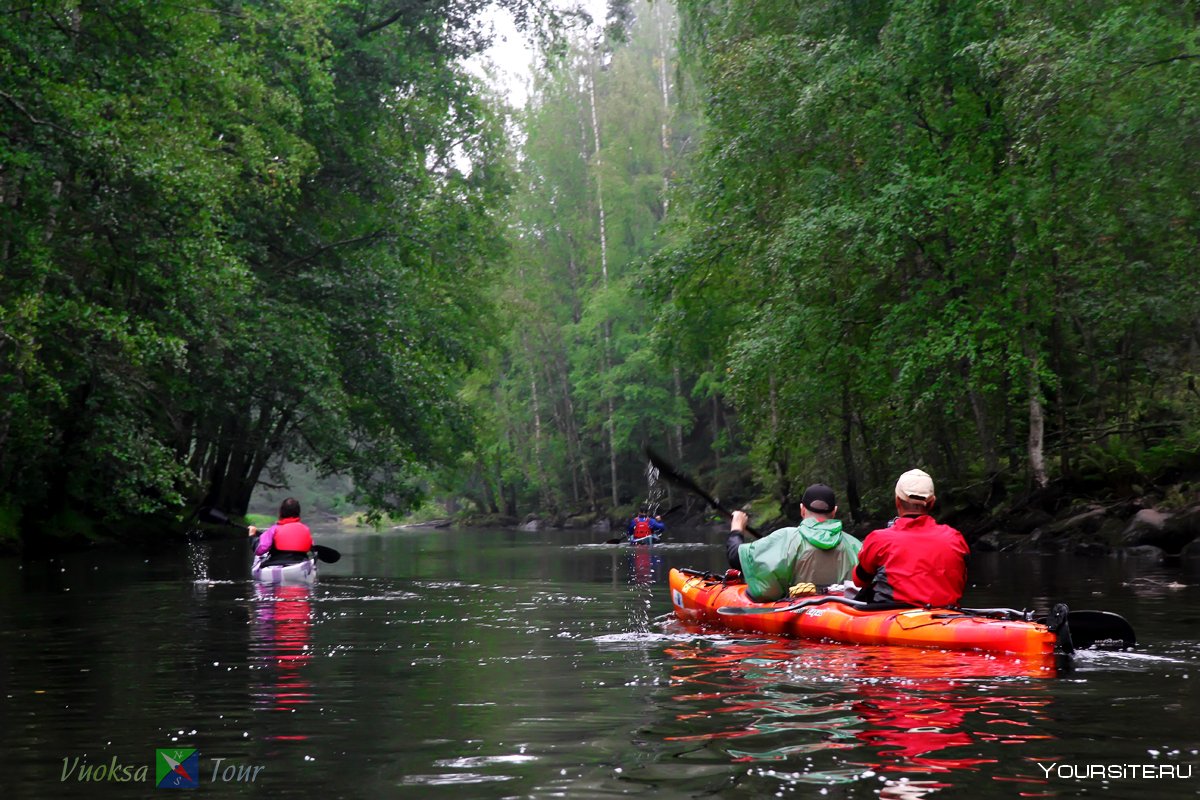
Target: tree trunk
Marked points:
665	89
783	482
716	430
1037	425
853	500
574	441
983	429
606	325
539	472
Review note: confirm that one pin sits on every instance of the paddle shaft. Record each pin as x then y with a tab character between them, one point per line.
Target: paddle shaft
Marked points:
666	470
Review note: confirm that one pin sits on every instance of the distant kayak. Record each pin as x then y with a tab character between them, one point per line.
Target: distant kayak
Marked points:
699	597
299	572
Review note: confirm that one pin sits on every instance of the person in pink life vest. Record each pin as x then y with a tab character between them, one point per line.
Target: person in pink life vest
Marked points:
287	541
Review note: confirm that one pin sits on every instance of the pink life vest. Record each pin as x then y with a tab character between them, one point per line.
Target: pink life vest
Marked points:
292	536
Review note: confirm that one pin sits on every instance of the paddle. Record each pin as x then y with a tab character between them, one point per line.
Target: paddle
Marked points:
323	553
326	554
741	611
994	613
624	539
666	470
1100	629
1088	628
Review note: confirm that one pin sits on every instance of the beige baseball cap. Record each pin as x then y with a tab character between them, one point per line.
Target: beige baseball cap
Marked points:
914	486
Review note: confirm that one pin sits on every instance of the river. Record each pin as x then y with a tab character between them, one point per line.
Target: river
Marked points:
501	664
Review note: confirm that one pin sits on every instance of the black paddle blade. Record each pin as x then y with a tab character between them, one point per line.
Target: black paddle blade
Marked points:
618	540
1100	629
326	554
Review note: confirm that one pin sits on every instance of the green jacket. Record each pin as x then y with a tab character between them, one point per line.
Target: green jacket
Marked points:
815	552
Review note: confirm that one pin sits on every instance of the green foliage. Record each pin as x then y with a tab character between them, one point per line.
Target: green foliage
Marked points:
68	524
783	242
577	384
929	218
238	234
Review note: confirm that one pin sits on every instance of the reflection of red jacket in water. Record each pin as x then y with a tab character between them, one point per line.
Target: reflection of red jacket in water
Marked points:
644	563
285	617
907	727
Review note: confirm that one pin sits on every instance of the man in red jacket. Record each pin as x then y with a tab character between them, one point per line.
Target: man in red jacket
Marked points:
914	561
288	540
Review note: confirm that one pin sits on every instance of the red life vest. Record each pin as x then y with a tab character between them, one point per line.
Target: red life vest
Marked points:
641	528
292	536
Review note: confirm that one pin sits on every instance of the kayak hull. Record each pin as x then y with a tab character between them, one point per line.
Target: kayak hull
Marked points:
300	573
698	598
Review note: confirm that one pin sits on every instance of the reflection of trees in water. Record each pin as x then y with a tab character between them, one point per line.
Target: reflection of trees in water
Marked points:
830	713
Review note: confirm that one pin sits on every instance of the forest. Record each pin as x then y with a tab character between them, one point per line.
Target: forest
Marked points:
778	242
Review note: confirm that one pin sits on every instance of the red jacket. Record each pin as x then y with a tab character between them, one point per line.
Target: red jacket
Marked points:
292	536
916	562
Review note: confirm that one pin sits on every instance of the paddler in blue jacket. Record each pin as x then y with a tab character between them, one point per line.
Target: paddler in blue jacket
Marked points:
644	529
816	552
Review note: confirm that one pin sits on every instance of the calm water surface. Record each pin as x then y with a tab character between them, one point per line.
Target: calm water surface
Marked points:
497	664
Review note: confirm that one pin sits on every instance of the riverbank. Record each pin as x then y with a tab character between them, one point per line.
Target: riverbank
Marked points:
1159	523
1162	522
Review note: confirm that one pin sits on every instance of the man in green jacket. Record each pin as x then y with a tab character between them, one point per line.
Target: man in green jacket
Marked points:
816	552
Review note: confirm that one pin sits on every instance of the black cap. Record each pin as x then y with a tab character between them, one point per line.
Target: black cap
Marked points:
819	498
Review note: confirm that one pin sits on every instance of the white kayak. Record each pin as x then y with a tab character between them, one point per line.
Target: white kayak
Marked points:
301	572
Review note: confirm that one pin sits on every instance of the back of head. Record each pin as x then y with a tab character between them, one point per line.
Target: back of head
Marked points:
914	491
289	508
819	499
644	511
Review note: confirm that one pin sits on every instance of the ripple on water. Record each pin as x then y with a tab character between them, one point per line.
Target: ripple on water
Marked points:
453	778
639	639
475	762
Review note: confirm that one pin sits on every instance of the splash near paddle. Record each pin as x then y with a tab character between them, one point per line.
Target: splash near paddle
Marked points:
667	470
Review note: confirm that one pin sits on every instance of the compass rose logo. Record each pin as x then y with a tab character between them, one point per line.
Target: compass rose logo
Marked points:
177	768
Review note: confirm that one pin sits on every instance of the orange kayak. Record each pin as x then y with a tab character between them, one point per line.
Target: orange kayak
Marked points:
698	597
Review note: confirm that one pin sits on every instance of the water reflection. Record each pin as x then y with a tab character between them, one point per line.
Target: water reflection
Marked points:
281	647
888	713
493	665
645	565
